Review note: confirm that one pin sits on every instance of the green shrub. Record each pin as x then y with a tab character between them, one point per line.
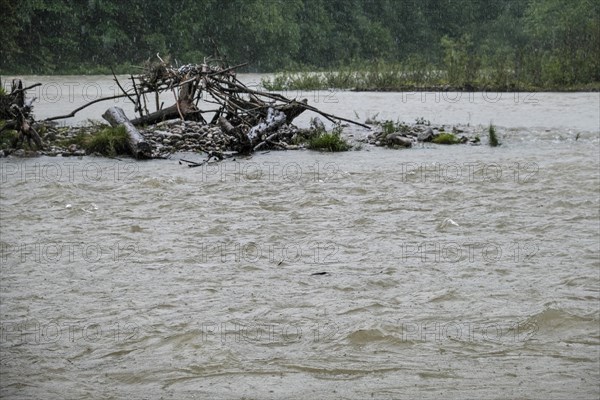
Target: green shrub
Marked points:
343	79
278	82
108	142
388	127
493	137
8	138
445	138
329	141
297	81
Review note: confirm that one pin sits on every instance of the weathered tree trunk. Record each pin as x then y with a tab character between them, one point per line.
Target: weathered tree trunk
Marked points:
293	109
157	116
187	109
17	89
268	141
18	110
184	108
137	143
274	120
227	127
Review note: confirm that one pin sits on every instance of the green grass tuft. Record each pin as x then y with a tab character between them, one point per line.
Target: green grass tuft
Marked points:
372	120
388	127
493	137
446	138
329	141
108	142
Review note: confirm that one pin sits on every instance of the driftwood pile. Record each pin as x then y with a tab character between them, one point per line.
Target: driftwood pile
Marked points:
176	135
249	119
17	114
252	119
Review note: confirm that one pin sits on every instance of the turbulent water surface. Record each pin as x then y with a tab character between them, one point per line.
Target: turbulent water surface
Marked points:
433	272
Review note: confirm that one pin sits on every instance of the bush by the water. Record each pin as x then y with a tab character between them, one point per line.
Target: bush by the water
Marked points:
446	138
7	137
106	141
493	136
328	141
109	142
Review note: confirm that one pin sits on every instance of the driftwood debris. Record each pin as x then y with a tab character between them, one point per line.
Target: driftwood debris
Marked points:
137	143
211	111
239	110
274	120
251	116
17	113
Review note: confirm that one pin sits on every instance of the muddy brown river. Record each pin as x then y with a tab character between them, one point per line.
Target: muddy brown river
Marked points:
433	272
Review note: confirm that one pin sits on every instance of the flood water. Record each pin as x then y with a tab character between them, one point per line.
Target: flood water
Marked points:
449	272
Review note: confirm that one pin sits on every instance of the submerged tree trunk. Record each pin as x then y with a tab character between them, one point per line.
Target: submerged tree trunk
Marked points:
137	143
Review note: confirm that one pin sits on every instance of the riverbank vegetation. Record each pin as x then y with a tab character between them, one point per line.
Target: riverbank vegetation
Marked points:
385	77
246	121
446	138
493	136
109	141
371	45
328	141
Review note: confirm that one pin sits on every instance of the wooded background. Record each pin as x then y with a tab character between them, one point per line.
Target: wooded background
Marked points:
554	41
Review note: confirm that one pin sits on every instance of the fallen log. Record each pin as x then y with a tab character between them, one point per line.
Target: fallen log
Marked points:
137	143
275	119
226	125
184	108
293	109
171	112
268	141
245	146
187	110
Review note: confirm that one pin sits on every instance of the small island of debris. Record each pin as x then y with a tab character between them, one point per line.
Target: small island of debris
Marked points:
241	121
